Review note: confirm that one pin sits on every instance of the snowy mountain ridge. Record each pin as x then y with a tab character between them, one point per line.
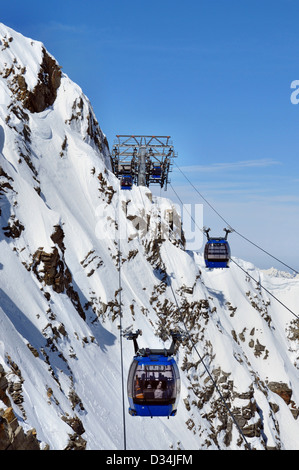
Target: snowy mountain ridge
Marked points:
62	212
277	273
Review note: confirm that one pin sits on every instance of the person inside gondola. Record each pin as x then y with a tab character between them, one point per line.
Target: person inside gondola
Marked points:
159	392
138	389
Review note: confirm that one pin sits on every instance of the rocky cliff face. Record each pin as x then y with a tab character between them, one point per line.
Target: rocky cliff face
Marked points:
12	435
63	219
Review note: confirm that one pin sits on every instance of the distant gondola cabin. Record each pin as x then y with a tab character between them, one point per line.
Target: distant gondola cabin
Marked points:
157	171
217	251
126	182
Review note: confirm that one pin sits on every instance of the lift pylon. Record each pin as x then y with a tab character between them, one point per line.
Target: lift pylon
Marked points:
142	160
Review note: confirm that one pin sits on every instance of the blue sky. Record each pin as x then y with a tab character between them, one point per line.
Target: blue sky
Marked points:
216	76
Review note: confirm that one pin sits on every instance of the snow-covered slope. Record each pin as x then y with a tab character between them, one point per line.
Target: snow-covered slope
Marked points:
62	213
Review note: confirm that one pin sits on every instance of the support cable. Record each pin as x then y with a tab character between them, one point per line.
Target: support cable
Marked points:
192	342
236	231
121	336
237	264
201	360
268	292
208	372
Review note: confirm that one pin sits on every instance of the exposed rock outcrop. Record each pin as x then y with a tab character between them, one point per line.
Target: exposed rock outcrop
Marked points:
12	435
281	389
51	269
45	92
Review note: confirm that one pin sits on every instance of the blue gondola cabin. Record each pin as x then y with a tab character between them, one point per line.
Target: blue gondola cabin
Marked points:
217	251
156	172
126	182
153	386
153	381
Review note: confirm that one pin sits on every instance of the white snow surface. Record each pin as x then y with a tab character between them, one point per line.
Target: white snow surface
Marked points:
81	356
